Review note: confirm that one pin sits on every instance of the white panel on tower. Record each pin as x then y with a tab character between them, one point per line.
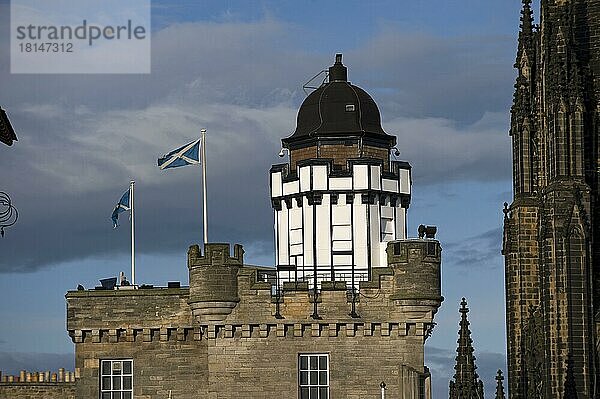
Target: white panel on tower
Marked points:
389	185
387	212
383	254
277	232
323	232
342	260
341	245
295	236
361	178
387	223
404	181
340	183
320	177
305	178
291	187
283	237
276	184
296	249
387	229
341	213
342	233
374	234
375	176
308	233
295	218
359	225
400	223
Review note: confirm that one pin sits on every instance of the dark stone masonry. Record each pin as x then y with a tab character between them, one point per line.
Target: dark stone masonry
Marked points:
551	228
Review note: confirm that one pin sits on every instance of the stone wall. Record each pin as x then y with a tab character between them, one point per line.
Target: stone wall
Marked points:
361	356
253	350
38	390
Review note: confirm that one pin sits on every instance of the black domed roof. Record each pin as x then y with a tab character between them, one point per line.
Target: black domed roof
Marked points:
338	109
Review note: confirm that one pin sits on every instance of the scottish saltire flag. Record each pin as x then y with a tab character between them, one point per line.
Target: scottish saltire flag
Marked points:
122	206
189	154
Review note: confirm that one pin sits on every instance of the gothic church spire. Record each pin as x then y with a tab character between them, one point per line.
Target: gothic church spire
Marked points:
466	383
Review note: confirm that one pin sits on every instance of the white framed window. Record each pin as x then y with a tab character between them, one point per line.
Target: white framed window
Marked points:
116	379
313	376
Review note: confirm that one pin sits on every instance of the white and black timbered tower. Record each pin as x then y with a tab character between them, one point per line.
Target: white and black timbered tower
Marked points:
340	199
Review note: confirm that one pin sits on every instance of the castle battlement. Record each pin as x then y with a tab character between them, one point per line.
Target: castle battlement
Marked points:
408	291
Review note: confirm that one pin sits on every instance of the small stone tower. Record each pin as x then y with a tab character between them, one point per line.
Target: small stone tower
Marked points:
213	281
466	383
339	200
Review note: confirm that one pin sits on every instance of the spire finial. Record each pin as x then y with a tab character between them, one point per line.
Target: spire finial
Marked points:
526	14
463	306
499	386
338	72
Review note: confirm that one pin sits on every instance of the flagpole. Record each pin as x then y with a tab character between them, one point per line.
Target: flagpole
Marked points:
132	234
204	212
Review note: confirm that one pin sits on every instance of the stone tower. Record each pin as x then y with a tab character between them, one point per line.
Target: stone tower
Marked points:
551	228
466	383
339	201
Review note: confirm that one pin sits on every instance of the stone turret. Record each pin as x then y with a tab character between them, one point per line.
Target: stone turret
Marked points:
417	269
213	280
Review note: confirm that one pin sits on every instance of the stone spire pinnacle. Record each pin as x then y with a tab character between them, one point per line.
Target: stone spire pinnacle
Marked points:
466	383
500	386
526	17
526	39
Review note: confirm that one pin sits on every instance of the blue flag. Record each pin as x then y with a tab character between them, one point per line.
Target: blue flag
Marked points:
122	206
189	154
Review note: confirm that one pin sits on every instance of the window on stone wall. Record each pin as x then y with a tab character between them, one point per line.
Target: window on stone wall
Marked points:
116	379
313	376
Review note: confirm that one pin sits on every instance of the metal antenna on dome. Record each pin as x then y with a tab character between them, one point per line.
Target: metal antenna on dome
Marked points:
307	86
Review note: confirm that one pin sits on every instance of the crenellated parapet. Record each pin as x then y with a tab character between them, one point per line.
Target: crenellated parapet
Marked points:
402	298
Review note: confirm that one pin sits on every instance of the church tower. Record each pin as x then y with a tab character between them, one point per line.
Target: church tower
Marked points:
552	227
340	200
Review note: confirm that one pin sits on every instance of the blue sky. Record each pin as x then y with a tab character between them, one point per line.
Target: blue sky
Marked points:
440	71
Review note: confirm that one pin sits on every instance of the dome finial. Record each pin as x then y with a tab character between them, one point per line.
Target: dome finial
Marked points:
338	72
